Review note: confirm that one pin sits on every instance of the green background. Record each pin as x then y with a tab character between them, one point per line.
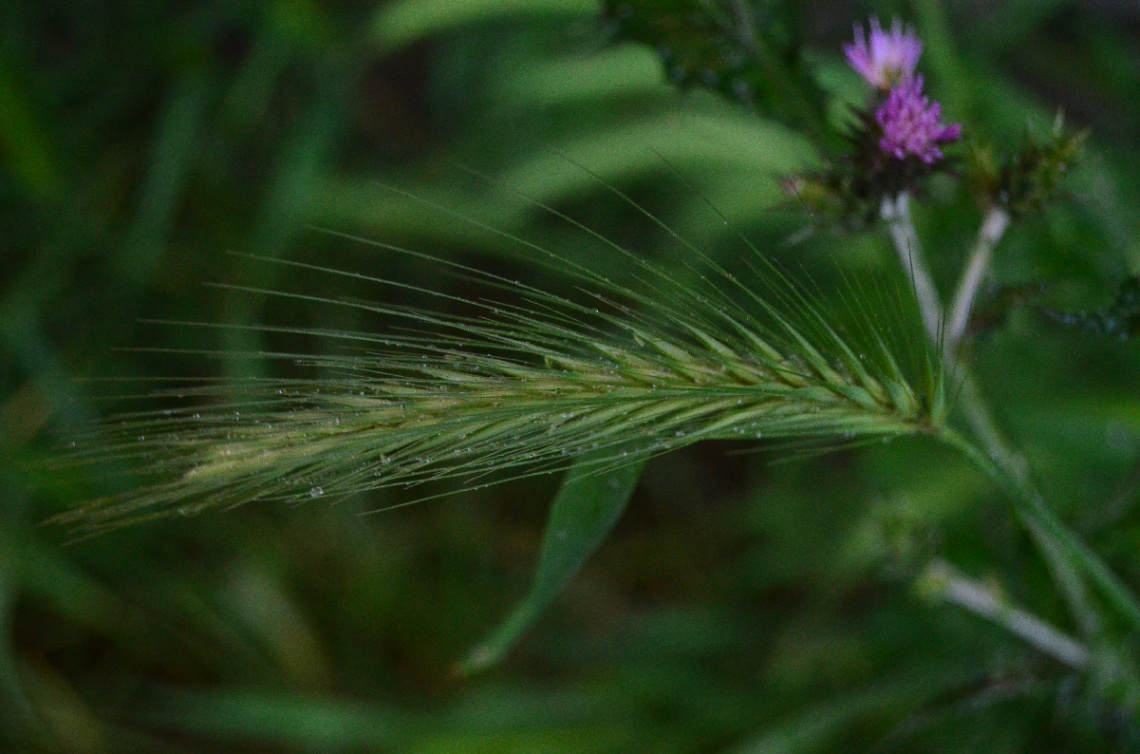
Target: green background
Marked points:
741	605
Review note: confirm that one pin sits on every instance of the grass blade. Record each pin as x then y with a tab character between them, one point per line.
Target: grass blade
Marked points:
581	517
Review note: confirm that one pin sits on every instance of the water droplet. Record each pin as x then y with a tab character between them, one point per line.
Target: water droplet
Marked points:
316	492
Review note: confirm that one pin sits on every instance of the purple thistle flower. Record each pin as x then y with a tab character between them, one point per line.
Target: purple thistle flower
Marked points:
887	57
911	126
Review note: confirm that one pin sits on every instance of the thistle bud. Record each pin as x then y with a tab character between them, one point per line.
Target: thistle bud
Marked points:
1022	184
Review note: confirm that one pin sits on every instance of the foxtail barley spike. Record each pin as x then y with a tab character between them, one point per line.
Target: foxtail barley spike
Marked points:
525	388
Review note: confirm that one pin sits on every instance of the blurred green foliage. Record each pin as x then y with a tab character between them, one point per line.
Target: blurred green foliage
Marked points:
739	606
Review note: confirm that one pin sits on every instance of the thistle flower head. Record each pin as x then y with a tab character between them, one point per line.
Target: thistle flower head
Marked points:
884	58
912	124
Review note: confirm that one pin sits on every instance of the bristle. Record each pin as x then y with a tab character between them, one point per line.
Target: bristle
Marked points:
518	390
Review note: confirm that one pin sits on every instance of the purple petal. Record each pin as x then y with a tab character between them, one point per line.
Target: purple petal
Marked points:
883	57
911	124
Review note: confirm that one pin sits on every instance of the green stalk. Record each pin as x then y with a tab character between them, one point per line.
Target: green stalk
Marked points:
896	213
1065	553
993	227
1062	548
942	581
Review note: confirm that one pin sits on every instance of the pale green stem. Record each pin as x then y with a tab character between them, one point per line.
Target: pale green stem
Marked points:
993	227
896	213
1065	553
946	582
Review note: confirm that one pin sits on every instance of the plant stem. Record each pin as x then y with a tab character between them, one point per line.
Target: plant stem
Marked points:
946	582
993	227
896	213
1066	555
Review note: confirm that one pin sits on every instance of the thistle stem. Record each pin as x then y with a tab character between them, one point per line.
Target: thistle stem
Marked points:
896	213
993	227
946	582
1066	555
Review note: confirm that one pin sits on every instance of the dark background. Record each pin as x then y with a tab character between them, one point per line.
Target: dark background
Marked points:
740	605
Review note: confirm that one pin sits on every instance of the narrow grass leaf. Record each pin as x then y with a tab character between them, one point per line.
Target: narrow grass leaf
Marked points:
581	517
401	23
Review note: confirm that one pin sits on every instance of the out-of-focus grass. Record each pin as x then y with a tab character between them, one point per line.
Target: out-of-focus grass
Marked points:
739	606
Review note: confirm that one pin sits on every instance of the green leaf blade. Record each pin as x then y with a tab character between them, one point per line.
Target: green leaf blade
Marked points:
587	507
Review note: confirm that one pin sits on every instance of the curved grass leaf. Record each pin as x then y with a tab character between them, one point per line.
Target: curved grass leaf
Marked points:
697	143
401	23
581	517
